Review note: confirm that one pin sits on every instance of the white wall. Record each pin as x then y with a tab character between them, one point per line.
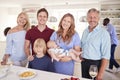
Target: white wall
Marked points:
77	13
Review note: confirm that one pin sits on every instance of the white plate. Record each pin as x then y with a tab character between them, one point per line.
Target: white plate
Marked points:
26	74
3	70
3	74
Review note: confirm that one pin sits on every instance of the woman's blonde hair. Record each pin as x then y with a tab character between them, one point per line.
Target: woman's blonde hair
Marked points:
27	25
70	31
40	42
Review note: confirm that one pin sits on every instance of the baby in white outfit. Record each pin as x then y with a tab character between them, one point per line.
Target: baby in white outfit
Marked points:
56	52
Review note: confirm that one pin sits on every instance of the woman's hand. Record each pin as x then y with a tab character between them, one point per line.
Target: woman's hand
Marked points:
65	59
5	59
3	62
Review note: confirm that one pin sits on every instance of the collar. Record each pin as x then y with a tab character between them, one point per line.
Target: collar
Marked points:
95	29
46	28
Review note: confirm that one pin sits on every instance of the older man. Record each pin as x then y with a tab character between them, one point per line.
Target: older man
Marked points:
95	45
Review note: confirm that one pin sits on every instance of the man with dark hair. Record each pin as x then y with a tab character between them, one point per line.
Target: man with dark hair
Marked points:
40	31
114	42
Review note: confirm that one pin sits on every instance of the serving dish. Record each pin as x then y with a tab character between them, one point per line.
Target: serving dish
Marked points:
26	74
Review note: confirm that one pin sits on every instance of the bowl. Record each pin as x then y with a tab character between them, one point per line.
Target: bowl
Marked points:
26	74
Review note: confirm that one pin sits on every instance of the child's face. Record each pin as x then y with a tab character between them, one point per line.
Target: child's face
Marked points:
39	49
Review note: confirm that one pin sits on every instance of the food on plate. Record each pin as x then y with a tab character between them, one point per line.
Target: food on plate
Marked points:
27	74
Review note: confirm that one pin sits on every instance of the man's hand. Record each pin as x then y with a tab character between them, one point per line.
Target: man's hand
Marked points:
99	77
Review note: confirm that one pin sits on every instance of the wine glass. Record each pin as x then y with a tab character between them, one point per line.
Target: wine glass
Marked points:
93	70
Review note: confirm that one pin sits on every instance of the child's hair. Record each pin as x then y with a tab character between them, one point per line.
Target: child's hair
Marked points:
40	43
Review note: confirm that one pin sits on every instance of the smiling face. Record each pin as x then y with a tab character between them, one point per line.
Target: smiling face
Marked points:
39	46
66	27
93	19
39	49
42	18
66	23
22	20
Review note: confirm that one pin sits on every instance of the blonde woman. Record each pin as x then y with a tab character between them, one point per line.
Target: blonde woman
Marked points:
15	41
41	61
66	38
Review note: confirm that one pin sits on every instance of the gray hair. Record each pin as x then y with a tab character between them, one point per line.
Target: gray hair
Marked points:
92	10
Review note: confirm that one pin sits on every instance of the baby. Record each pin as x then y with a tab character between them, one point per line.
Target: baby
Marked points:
56	52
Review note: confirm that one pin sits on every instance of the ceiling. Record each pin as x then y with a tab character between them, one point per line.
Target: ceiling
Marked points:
46	2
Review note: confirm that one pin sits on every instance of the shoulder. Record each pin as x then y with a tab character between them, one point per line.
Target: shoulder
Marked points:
85	30
15	30
52	30
76	34
110	26
104	32
54	33
12	30
32	31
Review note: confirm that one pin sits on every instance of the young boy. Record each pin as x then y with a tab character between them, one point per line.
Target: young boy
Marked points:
41	61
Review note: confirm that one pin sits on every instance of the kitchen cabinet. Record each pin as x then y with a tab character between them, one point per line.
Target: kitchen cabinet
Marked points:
32	14
111	10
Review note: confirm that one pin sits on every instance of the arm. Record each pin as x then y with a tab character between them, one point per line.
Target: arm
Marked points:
53	55
105	50
76	47
5	59
104	63
27	50
27	47
8	50
77	50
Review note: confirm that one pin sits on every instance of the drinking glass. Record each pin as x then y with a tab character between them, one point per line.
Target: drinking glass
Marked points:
93	70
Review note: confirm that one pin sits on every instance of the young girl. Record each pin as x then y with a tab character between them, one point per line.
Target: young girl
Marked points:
41	61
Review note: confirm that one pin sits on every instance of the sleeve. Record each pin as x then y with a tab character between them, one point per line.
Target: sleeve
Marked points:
110	29
76	39
106	45
9	44
27	36
53	36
